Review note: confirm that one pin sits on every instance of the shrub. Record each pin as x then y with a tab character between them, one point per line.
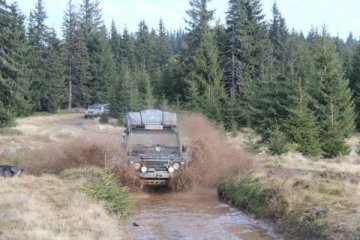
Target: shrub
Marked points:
277	142
115	197
104	118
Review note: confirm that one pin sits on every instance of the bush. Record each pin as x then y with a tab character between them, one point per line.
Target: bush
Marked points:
115	197
277	142
104	118
6	117
334	144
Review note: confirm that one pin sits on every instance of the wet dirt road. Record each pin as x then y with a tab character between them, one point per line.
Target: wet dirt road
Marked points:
194	215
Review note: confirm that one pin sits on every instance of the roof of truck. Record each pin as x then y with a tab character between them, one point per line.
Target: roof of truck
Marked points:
151	117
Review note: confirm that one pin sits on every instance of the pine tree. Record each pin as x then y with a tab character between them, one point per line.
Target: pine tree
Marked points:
38	37
115	44
143	49
163	48
17	50
90	18
301	126
103	67
247	48
272	103
14	100
127	50
53	96
334	106
355	83
76	60
202	68
278	35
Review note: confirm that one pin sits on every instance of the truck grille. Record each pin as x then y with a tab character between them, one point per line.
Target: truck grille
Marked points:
157	165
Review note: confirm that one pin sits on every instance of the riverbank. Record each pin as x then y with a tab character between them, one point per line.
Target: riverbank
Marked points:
304	205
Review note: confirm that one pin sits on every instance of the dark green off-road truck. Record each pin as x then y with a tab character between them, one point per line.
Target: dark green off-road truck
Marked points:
153	145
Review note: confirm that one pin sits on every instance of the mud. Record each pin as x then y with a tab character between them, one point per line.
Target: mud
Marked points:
211	158
192	215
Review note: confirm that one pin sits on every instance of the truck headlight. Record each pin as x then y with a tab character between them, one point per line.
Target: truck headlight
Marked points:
176	166
137	166
143	169
171	169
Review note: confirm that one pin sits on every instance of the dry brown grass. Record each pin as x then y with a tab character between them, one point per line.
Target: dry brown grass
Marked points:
47	207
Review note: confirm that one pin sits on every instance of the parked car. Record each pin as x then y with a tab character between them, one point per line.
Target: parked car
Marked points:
94	110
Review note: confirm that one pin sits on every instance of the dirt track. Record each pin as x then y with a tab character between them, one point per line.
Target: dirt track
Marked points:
193	215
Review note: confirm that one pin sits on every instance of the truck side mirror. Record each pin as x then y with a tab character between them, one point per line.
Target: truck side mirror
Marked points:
184	148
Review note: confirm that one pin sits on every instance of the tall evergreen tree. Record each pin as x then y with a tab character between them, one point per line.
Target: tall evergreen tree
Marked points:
38	38
247	48
76	60
355	83
334	106
163	48
14	84
127	50
53	96
301	126
90	18
202	69
115	44
103	67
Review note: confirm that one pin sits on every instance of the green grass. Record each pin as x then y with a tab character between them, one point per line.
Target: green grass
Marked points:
253	195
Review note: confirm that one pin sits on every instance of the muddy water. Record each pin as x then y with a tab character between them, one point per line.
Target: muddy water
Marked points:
195	215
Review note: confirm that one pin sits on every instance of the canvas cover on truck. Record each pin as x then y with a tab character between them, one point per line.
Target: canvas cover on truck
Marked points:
151	117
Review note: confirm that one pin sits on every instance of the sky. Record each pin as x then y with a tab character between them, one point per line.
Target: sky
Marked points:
339	16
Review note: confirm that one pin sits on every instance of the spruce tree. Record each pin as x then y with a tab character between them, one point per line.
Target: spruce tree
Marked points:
127	50
115	44
201	62
301	125
53	96
163	48
14	85
334	106
38	37
102	67
76	60
247	48
355	82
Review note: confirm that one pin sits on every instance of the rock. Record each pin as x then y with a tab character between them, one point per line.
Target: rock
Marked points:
135	224
10	171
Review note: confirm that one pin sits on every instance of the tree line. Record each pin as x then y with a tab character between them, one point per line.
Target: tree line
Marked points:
249	72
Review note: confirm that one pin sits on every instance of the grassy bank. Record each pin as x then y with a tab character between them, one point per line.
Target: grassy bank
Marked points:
310	206
62	207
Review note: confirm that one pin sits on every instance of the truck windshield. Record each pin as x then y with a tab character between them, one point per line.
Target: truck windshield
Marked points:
151	138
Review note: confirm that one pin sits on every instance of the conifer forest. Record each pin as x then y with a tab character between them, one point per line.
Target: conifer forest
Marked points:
294	88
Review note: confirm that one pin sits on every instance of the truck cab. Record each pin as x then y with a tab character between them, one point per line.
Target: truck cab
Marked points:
153	146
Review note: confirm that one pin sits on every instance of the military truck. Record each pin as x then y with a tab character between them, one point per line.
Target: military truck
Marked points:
153	145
